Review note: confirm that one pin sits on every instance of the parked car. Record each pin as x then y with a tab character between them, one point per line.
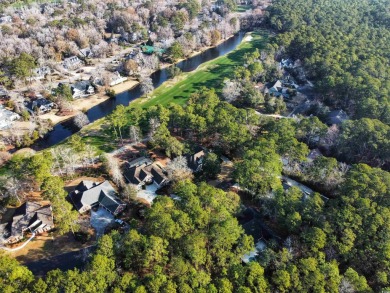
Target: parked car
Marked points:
119	221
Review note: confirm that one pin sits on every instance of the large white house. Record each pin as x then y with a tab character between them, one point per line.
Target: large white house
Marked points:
7	117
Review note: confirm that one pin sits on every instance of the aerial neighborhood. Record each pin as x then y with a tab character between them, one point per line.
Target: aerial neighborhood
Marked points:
214	146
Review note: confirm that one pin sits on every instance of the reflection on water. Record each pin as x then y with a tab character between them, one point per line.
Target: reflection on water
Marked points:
65	129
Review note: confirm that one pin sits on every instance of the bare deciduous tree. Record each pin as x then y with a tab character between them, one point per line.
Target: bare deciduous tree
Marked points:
154	124
65	160
80	120
146	86
135	134
346	287
115	170
12	187
89	155
231	90
130	192
178	170
4	157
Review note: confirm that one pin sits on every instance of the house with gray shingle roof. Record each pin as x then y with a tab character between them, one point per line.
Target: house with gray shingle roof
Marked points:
7	118
72	63
29	217
143	171
336	117
89	194
195	160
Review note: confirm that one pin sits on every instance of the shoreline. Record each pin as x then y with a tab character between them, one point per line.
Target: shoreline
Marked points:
85	104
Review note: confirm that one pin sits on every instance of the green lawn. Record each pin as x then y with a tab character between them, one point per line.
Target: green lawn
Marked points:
210	74
243	8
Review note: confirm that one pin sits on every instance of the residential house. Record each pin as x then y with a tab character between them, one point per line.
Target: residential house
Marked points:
142	171
5	19
39	106
132	54
82	89
195	160
7	117
29	217
336	117
40	73
314	154
251	256
3	92
277	90
286	63
89	194
117	79
159	178
86	53
72	63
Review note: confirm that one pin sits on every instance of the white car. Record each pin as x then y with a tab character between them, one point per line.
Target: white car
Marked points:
119	221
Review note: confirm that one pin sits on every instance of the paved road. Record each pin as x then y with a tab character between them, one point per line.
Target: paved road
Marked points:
272	115
306	190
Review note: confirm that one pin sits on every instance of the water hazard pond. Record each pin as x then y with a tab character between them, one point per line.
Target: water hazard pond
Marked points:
65	129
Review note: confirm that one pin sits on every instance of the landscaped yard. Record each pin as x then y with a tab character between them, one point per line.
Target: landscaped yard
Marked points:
210	74
45	246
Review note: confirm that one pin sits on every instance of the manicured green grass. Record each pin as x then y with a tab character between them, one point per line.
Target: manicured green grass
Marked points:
210	74
243	8
103	144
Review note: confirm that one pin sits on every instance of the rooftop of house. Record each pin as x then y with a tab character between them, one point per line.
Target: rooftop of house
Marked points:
7	114
140	161
81	85
195	159
140	169
89	193
86	52
136	174
3	92
38	103
315	153
28	216
72	59
336	117
42	70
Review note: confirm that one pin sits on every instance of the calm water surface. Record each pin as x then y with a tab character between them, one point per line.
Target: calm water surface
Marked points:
65	129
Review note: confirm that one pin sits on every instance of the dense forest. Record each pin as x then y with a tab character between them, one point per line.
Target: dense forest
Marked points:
345	48
195	244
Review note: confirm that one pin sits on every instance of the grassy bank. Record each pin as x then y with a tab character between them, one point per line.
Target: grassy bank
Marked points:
209	74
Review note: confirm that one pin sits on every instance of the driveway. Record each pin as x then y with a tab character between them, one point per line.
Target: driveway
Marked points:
148	194
100	220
